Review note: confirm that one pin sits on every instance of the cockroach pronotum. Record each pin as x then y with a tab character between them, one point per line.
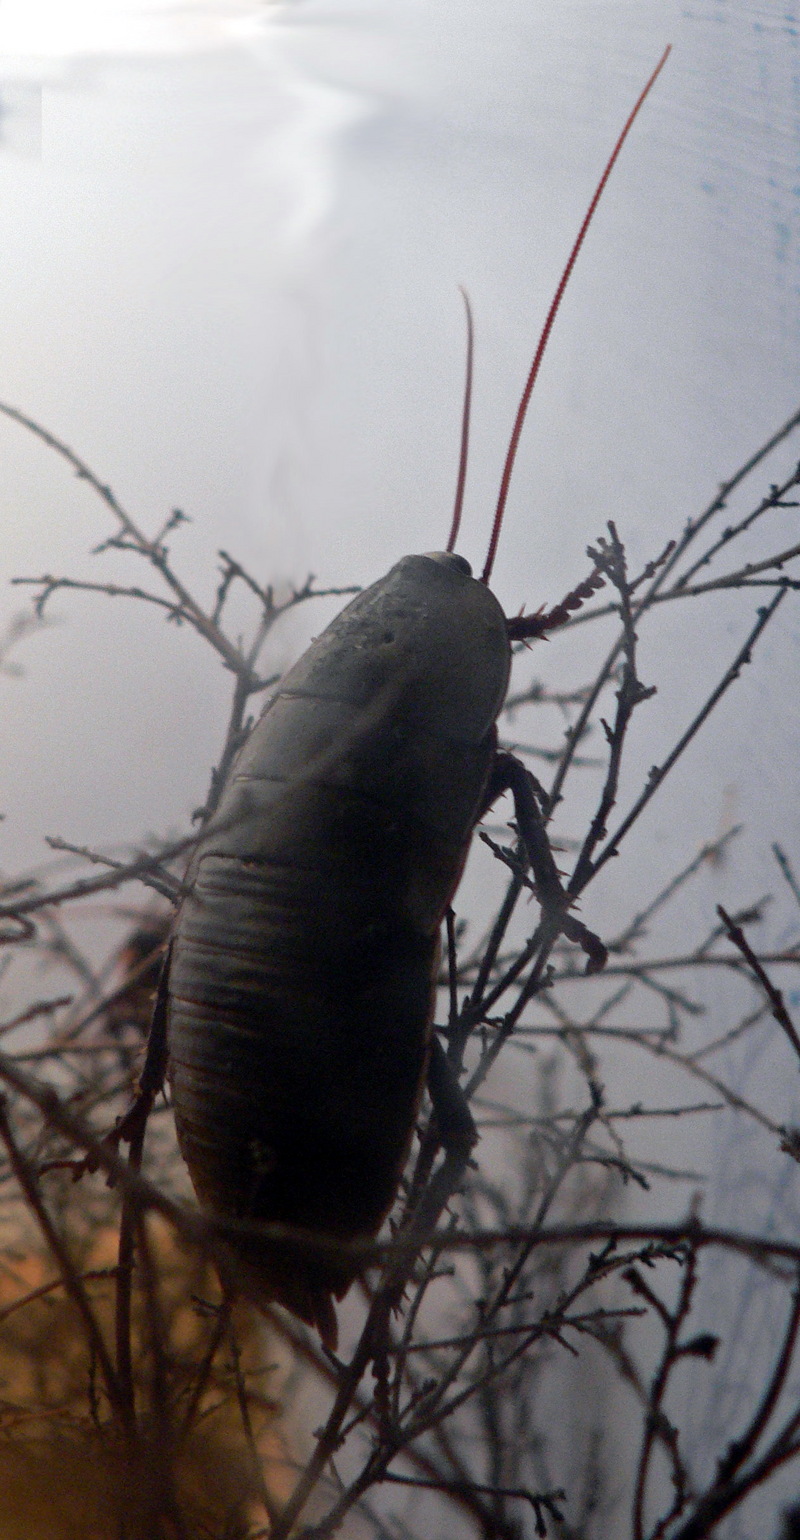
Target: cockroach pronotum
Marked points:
300	987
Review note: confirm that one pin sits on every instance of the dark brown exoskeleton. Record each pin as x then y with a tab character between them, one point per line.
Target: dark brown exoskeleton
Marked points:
302	978
303	970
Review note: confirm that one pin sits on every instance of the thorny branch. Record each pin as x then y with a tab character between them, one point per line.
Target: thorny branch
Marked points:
495	1278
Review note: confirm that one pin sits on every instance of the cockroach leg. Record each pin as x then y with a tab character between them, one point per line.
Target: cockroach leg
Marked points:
130	1128
528	628
455	1123
509	774
155	1064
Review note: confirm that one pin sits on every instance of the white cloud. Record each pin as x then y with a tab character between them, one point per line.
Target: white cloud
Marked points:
47	29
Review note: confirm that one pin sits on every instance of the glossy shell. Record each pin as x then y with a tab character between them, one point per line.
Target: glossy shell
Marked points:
302	981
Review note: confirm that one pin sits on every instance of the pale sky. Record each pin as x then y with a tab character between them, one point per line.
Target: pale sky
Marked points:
47	29
231	239
229	279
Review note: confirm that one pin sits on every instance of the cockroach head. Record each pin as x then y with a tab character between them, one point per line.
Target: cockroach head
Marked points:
450	559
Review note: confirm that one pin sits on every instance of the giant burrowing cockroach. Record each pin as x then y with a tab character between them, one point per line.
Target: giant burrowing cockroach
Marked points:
300	987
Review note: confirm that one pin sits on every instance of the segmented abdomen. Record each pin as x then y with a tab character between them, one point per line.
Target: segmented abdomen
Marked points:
297	1036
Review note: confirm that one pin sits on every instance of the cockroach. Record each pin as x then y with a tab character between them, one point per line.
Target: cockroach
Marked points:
299	990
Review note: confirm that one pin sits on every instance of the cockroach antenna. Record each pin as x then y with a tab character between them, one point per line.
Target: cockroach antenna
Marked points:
548	326
465	420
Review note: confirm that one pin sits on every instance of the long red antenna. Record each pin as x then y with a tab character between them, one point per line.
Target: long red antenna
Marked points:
548	325
465	417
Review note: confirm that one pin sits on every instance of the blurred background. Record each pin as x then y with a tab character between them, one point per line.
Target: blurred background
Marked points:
231	239
230	243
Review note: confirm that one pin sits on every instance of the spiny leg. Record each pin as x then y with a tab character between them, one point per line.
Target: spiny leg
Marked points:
509	774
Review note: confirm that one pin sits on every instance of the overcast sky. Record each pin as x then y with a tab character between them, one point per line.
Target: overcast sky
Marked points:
231	240
230	243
